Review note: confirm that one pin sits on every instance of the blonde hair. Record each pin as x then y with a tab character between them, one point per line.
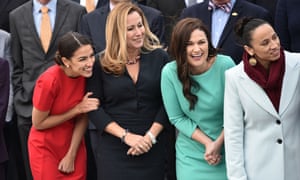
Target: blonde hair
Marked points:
115	53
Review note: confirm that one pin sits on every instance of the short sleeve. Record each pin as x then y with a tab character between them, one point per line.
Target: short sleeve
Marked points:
44	92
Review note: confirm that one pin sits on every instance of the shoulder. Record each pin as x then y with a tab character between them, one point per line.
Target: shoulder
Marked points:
224	61
149	10
74	6
20	9
235	71
292	58
248	6
170	68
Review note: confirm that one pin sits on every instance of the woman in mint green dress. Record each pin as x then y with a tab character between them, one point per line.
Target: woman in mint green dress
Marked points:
193	90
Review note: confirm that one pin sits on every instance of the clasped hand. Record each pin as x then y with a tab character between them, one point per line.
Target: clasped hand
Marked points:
138	144
212	153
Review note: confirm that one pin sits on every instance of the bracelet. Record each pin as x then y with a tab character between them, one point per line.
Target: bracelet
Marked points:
124	135
153	139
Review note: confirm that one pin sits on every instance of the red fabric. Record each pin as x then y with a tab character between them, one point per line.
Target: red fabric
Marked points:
270	81
58	93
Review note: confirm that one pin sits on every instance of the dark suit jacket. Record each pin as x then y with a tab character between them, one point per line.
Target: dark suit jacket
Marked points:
287	24
93	24
99	4
171	10
6	6
227	42
4	96
28	56
269	5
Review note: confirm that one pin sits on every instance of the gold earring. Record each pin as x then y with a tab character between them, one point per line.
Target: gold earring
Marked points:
252	61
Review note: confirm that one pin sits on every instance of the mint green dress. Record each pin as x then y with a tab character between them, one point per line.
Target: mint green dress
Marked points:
207	115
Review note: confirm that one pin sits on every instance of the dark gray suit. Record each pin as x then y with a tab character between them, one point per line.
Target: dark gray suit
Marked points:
30	60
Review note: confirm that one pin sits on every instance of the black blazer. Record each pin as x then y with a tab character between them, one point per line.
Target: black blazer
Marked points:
93	24
171	10
6	6
227	42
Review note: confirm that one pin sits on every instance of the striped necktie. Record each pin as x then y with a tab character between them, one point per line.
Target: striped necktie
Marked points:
226	7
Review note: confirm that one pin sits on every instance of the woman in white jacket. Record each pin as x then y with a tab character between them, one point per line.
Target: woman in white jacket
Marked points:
262	108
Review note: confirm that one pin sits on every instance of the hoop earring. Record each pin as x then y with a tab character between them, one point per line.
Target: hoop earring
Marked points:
252	61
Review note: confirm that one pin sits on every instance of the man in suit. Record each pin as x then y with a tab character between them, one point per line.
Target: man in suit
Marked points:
171	10
93	24
4	91
30	59
6	6
221	23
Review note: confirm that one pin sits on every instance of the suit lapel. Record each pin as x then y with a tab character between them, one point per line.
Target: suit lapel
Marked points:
289	84
61	14
28	18
236	13
257	94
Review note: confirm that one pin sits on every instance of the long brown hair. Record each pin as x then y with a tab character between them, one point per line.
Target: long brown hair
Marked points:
178	45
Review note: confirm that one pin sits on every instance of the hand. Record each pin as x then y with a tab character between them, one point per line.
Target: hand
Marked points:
87	104
66	165
212	153
138	144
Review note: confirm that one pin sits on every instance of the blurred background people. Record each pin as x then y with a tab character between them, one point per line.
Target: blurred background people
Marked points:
287	24
56	145
33	45
170	10
192	88
131	122
261	107
220	17
6	6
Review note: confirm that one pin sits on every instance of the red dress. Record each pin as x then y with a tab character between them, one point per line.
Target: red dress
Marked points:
58	93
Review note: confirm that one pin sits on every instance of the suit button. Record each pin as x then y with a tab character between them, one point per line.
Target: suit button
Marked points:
279	141
278	122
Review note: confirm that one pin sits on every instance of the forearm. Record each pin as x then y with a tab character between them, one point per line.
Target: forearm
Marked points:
78	133
200	137
220	139
41	122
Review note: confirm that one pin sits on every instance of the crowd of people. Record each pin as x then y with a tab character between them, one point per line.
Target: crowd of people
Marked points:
146	89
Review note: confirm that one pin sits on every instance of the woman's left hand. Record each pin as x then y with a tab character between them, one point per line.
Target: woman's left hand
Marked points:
141	146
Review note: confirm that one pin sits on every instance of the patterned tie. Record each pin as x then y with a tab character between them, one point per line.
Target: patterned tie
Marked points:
225	7
90	5
46	31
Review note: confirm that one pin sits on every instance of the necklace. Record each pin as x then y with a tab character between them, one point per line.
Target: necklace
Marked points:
133	61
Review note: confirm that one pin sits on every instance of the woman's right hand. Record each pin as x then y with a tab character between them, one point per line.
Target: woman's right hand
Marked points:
87	104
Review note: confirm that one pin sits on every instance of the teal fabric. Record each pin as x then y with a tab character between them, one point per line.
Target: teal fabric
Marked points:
207	115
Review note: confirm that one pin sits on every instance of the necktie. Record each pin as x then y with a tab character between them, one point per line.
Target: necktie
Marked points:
90	5
226	7
45	31
192	2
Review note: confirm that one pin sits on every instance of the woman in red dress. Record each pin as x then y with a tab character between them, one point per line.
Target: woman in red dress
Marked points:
56	143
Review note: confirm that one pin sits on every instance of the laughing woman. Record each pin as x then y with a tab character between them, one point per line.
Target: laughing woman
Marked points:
192	89
56	145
